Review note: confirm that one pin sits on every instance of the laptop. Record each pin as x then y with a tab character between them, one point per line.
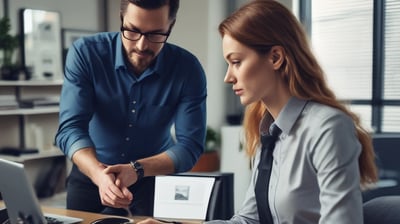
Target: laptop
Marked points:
20	199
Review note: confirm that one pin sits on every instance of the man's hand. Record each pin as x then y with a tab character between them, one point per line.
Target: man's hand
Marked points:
112	193
124	175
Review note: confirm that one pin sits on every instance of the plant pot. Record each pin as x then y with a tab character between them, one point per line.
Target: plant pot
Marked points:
9	72
208	162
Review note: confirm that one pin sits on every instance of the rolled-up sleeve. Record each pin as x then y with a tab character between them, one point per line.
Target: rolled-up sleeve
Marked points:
190	120
76	106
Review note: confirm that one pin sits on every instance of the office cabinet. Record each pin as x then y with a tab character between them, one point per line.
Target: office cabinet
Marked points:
235	160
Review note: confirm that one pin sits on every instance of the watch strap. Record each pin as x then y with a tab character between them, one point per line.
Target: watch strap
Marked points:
137	166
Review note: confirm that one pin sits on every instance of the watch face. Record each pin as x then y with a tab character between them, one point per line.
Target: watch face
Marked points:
138	165
139	170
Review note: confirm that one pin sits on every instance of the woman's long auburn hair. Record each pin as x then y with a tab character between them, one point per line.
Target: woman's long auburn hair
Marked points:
262	23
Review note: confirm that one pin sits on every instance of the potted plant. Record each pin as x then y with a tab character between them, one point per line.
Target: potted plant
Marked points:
209	161
8	44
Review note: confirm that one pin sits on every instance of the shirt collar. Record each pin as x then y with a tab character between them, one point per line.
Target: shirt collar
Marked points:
290	113
286	118
119	53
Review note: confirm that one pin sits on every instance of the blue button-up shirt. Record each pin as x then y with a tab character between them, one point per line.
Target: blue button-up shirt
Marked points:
124	117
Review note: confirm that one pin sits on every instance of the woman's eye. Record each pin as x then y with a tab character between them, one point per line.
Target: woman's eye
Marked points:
235	62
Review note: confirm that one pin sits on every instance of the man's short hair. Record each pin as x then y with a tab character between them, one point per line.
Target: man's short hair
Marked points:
151	4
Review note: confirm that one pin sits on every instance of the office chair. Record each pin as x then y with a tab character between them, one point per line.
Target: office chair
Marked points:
386	147
382	210
380	191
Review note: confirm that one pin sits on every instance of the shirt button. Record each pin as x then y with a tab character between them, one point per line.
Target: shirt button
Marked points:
133	111
127	139
130	125
134	102
123	155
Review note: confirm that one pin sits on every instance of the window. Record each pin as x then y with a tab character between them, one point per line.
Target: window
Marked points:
357	43
391	67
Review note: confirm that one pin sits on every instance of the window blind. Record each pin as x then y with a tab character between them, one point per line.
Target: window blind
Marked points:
391	91
342	39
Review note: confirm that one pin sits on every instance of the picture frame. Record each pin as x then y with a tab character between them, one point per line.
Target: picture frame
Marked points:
40	43
71	35
184	197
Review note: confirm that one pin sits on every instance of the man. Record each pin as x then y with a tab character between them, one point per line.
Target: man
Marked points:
122	93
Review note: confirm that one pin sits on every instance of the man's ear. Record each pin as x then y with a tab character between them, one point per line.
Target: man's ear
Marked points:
172	24
277	55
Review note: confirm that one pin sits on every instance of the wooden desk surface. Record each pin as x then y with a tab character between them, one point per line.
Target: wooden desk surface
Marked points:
89	217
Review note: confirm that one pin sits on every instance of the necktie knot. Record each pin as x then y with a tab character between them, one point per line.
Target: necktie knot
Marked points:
268	141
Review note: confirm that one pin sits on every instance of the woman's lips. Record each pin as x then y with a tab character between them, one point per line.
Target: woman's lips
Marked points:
238	91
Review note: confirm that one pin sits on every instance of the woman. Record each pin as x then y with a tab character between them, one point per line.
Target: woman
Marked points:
322	156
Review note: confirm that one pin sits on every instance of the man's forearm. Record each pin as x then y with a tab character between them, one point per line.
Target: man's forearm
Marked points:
160	164
87	163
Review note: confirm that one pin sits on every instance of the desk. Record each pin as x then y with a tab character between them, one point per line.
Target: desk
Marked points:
89	217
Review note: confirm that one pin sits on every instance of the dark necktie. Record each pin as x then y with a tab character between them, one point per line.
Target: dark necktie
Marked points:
264	173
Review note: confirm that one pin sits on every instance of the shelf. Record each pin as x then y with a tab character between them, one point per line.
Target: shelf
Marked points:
31	111
51	153
32	83
22	112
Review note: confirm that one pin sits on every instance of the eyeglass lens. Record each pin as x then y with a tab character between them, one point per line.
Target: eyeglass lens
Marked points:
152	37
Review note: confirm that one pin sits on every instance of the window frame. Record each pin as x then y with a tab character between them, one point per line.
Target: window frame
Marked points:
377	101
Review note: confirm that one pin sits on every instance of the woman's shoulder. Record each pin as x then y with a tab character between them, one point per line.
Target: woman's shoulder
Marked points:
323	111
324	116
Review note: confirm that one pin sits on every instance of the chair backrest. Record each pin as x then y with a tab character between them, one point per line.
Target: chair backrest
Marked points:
387	149
380	191
382	210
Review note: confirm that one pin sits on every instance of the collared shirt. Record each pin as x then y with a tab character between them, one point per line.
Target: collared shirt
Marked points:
315	176
125	117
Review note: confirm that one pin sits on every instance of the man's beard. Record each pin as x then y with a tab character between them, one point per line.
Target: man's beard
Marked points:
139	64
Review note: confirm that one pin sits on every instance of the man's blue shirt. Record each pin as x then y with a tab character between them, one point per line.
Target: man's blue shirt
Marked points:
124	117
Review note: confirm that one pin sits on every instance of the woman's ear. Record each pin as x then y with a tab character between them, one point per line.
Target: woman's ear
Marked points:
277	55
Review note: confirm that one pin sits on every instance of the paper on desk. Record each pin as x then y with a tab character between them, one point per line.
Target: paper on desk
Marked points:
182	197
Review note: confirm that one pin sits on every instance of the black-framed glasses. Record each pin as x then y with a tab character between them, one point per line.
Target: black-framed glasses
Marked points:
155	37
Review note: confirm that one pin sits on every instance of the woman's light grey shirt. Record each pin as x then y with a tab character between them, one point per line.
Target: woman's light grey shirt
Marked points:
315	175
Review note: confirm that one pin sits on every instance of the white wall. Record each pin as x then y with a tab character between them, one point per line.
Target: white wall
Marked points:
1	9
196	30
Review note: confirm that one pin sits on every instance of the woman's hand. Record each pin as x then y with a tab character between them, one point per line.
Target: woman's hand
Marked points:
150	221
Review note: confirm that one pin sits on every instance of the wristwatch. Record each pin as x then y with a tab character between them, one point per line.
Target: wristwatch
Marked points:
138	169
